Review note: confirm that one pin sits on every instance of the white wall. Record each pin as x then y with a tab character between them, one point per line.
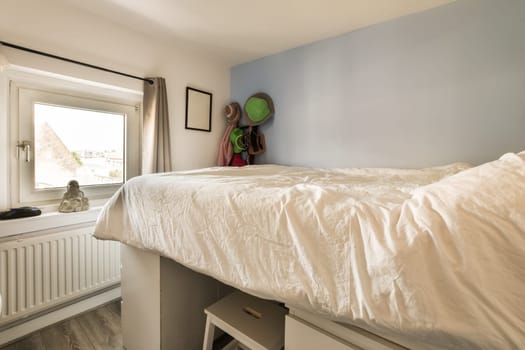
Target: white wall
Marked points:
56	28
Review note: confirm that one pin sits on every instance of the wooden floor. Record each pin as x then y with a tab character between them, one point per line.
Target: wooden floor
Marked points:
95	330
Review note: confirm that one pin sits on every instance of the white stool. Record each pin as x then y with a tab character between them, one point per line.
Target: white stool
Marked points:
257	324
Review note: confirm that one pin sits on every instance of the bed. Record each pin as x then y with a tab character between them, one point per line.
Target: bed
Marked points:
430	258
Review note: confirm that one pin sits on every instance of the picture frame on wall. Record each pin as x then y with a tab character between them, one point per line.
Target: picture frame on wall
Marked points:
198	109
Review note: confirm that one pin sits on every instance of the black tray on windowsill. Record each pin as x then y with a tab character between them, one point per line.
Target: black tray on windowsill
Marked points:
22	212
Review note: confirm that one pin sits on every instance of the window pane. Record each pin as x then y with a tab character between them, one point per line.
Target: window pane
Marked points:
70	143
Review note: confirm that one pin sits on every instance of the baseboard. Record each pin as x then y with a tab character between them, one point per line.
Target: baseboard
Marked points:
19	330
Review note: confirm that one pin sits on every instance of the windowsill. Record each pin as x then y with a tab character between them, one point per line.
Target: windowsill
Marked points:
47	221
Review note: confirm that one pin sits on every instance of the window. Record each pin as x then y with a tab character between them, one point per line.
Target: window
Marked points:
70	144
80	134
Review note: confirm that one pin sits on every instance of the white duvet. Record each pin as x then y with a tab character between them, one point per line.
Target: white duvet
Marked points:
426	258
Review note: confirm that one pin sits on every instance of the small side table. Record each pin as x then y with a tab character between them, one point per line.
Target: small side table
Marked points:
255	323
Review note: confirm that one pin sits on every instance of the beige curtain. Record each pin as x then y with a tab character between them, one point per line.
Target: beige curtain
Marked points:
156	151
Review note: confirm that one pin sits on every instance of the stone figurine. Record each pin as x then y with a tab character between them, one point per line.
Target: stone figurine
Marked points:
74	199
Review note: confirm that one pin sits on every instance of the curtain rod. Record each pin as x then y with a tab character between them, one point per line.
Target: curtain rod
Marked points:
73	61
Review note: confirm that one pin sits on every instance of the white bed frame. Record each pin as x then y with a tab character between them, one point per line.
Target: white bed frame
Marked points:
163	309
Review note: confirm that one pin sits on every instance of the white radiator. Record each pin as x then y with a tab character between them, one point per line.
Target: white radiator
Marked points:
43	271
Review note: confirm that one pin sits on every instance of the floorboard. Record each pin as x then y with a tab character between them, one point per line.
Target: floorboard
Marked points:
31	342
98	329
114	308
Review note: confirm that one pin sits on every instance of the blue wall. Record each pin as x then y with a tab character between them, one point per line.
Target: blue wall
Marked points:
431	88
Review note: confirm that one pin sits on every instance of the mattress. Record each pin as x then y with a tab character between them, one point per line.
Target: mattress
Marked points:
430	258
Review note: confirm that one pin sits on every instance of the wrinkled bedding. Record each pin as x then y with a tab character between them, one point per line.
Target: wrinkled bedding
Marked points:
431	258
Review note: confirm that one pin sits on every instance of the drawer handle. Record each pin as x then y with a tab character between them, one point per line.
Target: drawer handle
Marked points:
252	312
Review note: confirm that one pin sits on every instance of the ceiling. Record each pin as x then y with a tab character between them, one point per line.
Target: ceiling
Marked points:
242	30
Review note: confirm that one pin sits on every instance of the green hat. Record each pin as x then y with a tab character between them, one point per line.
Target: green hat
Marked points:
258	108
237	140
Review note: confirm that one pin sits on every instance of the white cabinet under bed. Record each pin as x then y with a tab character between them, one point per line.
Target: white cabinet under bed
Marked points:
306	331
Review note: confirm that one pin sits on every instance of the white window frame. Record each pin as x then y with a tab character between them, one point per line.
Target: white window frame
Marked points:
28	86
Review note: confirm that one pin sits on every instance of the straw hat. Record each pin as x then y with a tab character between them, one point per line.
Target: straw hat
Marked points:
232	112
258	108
